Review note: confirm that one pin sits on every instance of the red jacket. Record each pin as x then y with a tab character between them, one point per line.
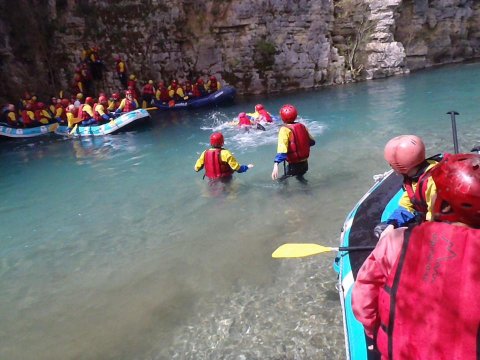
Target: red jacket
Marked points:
299	145
418	293
214	166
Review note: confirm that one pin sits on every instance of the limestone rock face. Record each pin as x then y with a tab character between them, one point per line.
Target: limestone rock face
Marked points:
258	46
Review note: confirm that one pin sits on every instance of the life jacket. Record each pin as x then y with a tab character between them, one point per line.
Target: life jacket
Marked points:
264	113
84	114
196	91
162	94
213	86
417	196
244	121
429	307
96	114
129	105
299	143
148	89
214	166
28	117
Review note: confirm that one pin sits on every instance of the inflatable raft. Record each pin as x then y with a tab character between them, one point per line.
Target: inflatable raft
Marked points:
375	206
112	126
223	95
12	132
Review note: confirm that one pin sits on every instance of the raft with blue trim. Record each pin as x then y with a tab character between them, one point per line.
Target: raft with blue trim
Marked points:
112	126
13	132
223	95
375	206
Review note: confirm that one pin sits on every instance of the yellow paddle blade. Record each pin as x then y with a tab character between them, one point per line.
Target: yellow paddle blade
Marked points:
300	250
73	130
151	108
53	127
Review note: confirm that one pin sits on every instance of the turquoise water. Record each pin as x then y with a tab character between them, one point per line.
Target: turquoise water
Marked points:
114	248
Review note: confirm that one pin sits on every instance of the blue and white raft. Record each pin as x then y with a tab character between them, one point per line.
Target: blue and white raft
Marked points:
112	126
223	95
12	132
375	206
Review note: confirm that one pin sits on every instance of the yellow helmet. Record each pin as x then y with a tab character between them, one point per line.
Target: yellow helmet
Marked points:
132	77
79	96
150	82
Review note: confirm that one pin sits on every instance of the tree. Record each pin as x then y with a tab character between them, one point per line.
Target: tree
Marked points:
355	16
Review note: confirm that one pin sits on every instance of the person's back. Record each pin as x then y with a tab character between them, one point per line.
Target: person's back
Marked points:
418	290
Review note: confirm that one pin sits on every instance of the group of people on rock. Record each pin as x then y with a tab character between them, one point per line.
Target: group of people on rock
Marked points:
294	142
85	111
417	292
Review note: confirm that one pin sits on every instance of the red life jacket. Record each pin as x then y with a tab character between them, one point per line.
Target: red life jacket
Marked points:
28	117
265	115
148	89
129	105
429	307
299	143
164	94
214	166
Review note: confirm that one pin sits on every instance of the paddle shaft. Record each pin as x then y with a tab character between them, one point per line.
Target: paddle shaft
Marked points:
454	129
355	248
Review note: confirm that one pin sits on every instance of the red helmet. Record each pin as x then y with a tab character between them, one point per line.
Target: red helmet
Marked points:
404	152
213	78
65	102
258	107
200	81
102	99
89	100
128	92
28	106
116	96
242	114
457	178
288	113
40	105
216	139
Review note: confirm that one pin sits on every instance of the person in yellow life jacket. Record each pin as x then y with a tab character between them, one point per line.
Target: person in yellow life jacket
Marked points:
42	115
176	92
213	85
28	116
9	116
61	111
406	156
114	101
127	104
148	92
294	142
71	117
101	113
85	112
219	163
417	292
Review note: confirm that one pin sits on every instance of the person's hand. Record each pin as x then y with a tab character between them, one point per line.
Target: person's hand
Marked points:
275	171
250	166
380	228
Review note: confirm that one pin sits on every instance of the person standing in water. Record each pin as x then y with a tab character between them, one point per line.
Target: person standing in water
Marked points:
219	163
294	142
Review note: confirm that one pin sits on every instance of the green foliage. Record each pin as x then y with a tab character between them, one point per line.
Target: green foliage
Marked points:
264	56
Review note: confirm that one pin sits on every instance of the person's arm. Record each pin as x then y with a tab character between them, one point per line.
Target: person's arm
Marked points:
371	278
200	162
282	149
233	163
120	107
429	197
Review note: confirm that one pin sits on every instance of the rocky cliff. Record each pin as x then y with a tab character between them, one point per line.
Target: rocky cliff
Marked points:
258	46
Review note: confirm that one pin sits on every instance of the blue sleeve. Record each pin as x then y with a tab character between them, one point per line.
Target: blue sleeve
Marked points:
400	217
281	157
243	168
105	117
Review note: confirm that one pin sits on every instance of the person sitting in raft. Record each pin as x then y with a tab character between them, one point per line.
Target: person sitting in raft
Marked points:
28	116
85	112
71	118
42	115
162	93
294	142
128	104
417	292
113	101
213	85
406	156
219	163
61	111
261	115
199	89
148	91
101	113
9	116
